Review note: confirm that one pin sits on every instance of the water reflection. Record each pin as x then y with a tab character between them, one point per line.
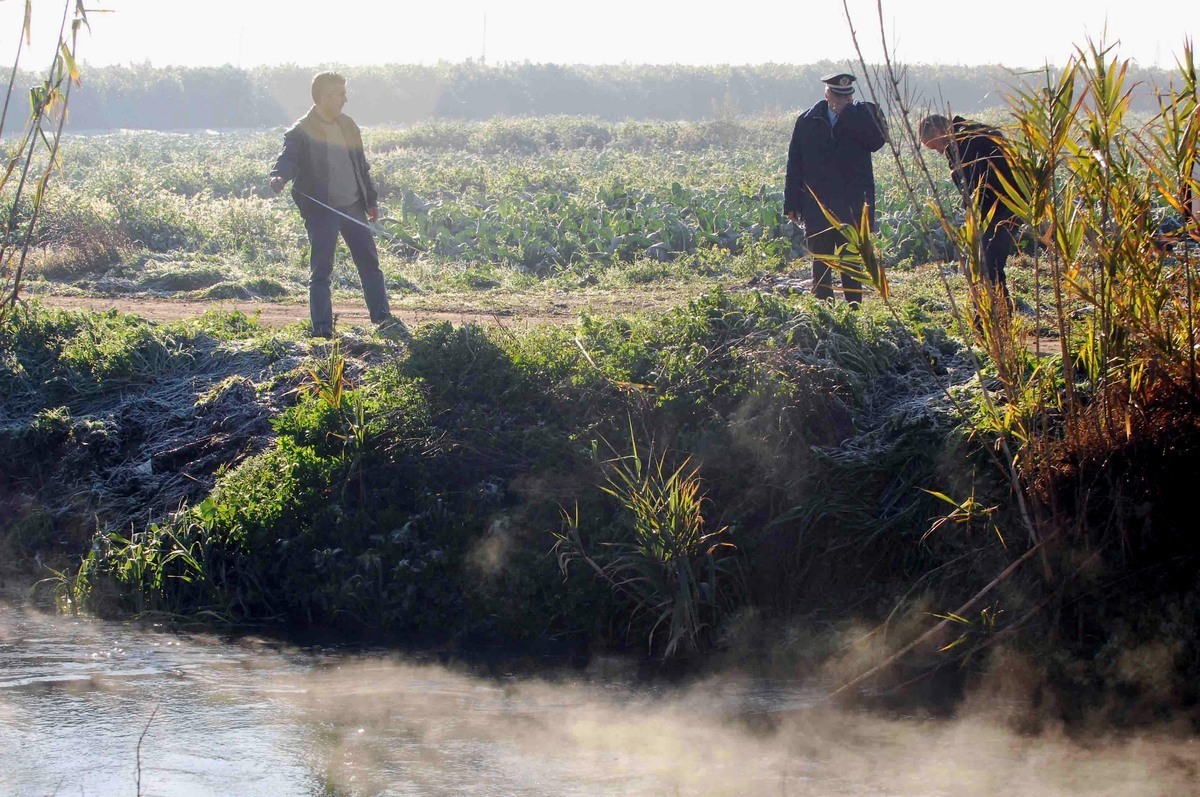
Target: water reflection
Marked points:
76	695
245	718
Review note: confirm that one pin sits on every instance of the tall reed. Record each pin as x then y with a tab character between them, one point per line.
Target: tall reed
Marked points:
1116	379
33	157
1093	186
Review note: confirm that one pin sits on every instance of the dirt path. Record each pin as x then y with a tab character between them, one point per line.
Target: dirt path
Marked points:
516	311
510	311
278	315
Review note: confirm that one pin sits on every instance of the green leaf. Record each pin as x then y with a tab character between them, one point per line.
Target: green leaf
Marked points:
69	60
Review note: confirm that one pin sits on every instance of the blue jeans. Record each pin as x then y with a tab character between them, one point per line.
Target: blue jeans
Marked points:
323	229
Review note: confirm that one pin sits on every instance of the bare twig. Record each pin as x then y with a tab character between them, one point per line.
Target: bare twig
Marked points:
932	632
139	749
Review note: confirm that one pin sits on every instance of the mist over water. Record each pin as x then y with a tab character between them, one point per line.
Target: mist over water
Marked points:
248	718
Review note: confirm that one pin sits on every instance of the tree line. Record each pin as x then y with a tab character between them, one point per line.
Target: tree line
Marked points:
165	98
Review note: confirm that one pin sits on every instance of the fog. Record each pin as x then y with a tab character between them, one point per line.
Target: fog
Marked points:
396	728
253	717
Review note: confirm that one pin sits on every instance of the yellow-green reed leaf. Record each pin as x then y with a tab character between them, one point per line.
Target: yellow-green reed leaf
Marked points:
1018	194
941	497
12	164
953	232
953	644
1068	238
857	256
55	100
28	25
69	60
870	258
45	141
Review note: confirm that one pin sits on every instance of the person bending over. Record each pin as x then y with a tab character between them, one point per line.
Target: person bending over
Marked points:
975	153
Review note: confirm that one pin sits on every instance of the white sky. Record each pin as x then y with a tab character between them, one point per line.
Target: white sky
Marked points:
1026	33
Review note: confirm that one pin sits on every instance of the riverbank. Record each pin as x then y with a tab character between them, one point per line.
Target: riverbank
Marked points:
769	470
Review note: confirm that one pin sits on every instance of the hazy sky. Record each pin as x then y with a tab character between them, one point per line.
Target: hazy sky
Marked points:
355	32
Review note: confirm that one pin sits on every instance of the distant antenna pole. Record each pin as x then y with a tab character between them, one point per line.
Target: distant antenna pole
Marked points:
483	50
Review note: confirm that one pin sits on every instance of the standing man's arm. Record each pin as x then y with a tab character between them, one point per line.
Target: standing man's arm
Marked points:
369	185
793	185
287	165
372	194
868	126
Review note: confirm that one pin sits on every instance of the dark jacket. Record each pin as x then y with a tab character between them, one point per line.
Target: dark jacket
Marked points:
977	162
834	162
305	161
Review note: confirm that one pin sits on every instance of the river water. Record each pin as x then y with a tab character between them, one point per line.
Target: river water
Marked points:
98	708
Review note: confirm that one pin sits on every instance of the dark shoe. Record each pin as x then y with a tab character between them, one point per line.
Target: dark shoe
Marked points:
322	333
392	327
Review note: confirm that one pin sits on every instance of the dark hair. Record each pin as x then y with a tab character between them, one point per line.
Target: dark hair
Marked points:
322	83
934	124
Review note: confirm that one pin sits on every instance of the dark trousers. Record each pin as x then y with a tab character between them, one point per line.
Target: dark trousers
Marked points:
323	230
826	242
998	242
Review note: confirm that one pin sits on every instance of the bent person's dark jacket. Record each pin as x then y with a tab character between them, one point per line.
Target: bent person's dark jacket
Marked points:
833	162
978	165
305	161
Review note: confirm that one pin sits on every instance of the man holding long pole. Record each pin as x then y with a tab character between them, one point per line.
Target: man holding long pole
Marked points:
323	156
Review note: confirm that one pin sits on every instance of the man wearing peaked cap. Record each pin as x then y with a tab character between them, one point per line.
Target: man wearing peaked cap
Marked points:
829	164
841	83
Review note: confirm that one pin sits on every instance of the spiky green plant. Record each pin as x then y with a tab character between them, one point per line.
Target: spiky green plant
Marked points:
72	587
330	385
666	559
1092	185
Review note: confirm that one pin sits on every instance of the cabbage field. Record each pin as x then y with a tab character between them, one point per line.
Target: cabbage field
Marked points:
512	203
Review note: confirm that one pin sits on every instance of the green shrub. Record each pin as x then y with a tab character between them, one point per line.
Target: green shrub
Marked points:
416	490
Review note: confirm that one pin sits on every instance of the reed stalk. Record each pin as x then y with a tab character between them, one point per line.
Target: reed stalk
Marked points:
33	158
